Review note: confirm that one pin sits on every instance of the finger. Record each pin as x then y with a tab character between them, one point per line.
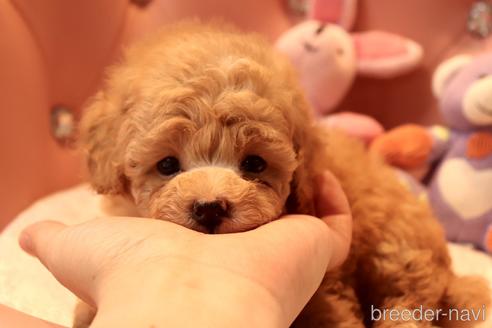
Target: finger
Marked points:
295	252
37	237
49	241
329	196
340	238
333	208
85	257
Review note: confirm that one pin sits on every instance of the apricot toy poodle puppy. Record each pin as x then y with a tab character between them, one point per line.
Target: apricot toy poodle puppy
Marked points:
208	128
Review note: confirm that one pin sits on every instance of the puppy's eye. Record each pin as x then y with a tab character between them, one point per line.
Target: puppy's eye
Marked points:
253	164
168	166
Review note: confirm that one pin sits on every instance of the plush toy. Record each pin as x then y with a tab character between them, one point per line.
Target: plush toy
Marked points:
460	187
328	58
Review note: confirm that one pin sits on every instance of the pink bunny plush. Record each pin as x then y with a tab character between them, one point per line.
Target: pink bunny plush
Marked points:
328	58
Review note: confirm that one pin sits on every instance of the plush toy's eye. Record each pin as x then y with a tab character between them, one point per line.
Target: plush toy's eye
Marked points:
168	166
253	164
483	75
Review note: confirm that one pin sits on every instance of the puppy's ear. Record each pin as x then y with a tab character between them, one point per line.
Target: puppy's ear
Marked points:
99	130
310	153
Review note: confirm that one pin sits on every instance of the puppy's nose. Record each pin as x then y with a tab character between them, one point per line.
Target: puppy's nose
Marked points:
209	214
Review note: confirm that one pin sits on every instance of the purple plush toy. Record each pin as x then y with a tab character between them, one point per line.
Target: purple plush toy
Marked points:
460	188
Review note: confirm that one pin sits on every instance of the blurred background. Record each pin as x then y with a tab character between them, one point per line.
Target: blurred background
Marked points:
53	54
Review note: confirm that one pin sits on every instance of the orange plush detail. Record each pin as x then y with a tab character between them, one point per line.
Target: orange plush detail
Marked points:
479	145
407	147
488	240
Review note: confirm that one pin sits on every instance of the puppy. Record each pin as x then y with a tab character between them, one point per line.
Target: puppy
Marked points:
208	128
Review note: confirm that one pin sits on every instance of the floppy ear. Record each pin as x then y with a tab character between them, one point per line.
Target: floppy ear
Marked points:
446	71
309	149
341	12
301	198
385	55
99	130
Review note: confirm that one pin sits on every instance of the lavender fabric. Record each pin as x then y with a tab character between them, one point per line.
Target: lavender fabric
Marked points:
460	189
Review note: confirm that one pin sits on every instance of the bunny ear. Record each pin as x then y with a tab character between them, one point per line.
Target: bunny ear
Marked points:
341	12
385	55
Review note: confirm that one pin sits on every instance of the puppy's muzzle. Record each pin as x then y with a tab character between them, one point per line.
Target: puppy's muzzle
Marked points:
210	214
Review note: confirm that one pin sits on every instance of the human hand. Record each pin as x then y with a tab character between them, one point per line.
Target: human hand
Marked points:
139	272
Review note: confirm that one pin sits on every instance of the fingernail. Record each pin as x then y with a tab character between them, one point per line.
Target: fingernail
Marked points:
25	242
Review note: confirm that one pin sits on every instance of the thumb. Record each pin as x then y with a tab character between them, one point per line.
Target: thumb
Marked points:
298	251
85	257
314	246
58	248
37	238
333	208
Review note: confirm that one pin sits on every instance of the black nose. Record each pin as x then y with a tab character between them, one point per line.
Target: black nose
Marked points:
209	214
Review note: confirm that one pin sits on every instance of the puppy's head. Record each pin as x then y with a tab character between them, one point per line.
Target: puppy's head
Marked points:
204	128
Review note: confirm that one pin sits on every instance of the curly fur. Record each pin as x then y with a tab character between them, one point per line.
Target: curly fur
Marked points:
210	96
